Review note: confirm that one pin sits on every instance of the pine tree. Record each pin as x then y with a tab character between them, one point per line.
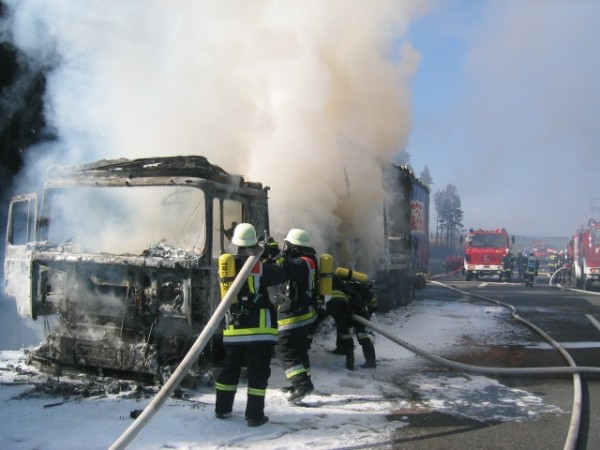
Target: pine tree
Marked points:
425	177
449	213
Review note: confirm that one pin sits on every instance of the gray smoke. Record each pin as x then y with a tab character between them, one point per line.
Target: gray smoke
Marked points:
311	98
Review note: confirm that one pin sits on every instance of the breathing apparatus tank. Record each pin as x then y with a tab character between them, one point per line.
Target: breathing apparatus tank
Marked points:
226	273
325	275
349	274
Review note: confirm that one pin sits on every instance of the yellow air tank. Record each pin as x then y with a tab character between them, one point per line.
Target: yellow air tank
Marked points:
325	274
349	274
226	273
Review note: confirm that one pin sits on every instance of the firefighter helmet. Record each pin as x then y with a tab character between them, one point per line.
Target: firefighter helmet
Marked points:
244	235
299	237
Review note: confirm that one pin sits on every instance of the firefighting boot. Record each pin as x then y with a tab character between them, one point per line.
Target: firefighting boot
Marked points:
255	407
302	387
369	352
339	346
349	350
224	403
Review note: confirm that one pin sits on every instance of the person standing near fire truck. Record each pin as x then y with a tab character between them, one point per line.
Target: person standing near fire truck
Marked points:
250	330
521	259
531	268
296	312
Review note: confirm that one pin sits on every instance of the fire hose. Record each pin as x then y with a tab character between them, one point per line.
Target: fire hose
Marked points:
190	358
562	269
454	272
573	369
173	382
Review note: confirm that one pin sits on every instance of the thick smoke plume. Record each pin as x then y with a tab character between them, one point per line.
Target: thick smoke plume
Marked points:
311	98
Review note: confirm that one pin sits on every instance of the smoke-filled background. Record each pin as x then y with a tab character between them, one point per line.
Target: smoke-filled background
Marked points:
310	98
498	97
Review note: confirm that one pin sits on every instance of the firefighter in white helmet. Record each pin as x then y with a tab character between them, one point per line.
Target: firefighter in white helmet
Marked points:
297	311
250	331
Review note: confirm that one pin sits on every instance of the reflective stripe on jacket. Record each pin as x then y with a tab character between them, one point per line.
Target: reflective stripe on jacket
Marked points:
297	321
265	331
252	318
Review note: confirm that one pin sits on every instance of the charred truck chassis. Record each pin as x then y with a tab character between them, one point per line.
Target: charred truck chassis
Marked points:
119	257
138	311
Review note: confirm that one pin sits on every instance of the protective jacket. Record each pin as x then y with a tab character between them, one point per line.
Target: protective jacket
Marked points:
297	299
251	319
532	264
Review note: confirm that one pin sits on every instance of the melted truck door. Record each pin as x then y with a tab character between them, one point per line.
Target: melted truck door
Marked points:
20	234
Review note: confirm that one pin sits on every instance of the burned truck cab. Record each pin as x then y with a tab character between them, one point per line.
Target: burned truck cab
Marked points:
120	257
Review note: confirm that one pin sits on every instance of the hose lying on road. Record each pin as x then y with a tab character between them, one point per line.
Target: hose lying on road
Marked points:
498	371
572	436
562	269
189	360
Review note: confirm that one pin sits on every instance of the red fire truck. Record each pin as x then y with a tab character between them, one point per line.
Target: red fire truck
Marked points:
487	252
586	255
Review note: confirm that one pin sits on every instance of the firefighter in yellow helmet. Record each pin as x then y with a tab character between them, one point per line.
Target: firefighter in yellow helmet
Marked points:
250	332
297	311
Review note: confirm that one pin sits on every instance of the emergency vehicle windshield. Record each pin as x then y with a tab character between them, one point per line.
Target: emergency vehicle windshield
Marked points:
488	241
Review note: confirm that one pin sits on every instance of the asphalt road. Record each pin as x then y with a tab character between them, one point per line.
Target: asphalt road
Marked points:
571	319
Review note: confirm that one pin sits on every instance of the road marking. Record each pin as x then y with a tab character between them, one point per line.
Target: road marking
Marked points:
593	320
482	285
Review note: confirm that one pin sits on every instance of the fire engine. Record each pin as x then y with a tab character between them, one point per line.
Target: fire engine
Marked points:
487	252
586	255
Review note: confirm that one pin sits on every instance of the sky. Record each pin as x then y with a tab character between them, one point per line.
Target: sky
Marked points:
498	97
347	409
506	107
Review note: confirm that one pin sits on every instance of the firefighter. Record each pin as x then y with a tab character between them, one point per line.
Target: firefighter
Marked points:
296	312
338	307
552	263
364	304
532	264
506	267
520	263
250	331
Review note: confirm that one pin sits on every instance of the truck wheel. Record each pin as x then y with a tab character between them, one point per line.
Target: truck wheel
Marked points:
469	276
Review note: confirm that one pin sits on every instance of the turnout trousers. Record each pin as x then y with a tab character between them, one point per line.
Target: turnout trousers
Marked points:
257	358
292	353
